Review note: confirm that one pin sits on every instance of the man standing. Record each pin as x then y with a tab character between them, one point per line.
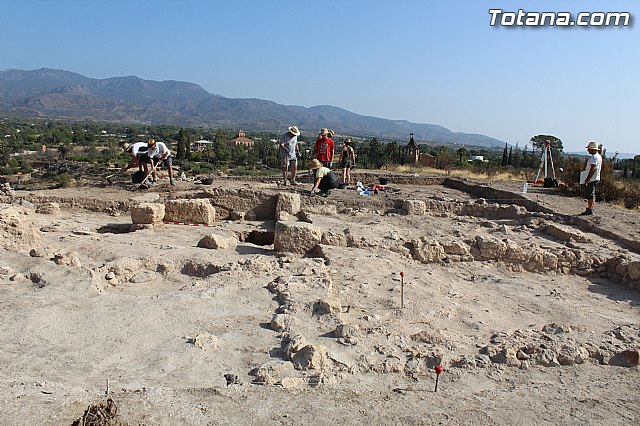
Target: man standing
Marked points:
289	152
324	148
592	170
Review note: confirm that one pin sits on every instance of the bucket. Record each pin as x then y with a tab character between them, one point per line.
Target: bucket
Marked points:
137	177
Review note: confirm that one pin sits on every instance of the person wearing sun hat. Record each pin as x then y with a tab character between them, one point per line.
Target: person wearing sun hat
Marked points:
136	150
289	151
324	179
592	169
325	147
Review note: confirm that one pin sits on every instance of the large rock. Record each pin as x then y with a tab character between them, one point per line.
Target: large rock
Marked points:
332	238
288	202
414	207
428	251
296	237
49	208
456	248
489	248
190	211
147	213
633	269
283	322
564	233
311	357
17	233
214	241
327	306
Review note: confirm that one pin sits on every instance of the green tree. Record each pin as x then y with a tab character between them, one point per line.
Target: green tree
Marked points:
221	152
391	155
462	155
64	150
374	153
181	150
239	155
540	142
505	156
445	158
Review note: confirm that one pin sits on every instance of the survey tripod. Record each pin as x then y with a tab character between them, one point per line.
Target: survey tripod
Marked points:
546	160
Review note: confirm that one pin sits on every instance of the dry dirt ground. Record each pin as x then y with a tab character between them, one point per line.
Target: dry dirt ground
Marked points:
518	347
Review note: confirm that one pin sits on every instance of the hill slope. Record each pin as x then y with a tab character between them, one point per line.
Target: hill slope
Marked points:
59	94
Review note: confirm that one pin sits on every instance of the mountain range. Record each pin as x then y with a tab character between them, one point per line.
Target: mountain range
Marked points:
58	94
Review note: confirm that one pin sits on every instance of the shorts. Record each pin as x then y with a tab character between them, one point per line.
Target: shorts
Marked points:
590	190
157	160
346	165
286	162
166	162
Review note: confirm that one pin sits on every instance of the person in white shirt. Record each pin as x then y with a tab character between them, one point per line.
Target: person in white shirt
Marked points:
289	151
137	150
593	169
157	154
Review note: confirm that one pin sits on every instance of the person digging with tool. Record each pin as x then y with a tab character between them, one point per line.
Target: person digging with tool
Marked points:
289	151
157	154
324	179
136	150
593	168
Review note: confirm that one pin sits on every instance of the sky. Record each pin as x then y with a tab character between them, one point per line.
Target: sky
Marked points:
425	61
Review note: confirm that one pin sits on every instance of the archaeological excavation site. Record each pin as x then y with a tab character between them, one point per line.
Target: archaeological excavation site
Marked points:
244	302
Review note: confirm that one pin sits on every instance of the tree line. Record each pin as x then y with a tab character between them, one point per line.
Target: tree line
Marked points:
100	143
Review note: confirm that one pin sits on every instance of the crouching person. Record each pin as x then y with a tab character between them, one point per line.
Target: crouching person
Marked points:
324	179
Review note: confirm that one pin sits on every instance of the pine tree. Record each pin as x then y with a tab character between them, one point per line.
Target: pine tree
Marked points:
505	156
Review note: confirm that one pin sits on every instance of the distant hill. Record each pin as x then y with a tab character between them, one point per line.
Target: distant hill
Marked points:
621	155
57	94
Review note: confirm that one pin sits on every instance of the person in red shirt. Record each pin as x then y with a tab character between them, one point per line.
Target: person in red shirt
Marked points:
324	148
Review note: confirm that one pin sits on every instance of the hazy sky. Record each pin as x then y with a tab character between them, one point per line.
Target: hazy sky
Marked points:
425	61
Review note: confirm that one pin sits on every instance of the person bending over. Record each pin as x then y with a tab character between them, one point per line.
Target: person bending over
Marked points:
324	179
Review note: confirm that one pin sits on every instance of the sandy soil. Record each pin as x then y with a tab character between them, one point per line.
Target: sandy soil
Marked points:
160	337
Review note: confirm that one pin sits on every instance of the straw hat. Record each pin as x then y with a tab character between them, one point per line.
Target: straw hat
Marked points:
151	142
347	140
294	131
314	164
593	145
331	133
126	146
324	131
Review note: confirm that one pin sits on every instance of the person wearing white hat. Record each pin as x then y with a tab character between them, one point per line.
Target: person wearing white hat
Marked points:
289	151
136	150
592	169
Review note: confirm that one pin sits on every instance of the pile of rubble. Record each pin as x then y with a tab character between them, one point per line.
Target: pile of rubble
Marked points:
556	345
6	190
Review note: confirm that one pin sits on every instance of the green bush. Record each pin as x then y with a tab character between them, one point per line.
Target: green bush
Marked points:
64	180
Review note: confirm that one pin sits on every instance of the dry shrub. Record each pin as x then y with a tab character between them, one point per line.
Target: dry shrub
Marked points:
610	188
102	414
